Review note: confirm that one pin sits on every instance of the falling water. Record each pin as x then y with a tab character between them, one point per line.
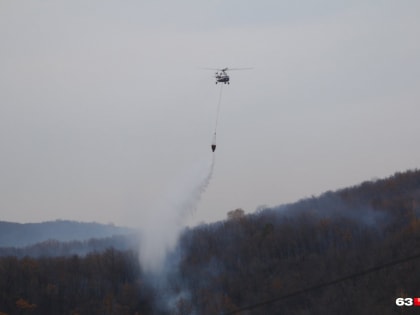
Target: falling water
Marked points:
160	233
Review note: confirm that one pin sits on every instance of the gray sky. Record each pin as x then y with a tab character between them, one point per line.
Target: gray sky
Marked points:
103	103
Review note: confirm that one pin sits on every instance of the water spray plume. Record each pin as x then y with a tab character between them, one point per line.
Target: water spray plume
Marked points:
160	233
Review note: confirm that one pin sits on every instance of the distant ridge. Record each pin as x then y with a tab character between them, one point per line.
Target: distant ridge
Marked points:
24	234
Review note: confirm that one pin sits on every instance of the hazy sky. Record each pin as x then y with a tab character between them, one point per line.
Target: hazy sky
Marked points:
103	104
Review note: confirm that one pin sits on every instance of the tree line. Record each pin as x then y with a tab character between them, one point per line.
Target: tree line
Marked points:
246	259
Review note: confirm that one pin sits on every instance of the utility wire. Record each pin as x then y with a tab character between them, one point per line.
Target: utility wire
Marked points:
323	285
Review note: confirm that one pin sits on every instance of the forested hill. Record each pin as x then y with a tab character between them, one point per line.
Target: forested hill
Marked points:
277	251
397	196
18	235
344	252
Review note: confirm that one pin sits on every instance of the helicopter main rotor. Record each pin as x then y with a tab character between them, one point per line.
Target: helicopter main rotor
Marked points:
221	75
227	69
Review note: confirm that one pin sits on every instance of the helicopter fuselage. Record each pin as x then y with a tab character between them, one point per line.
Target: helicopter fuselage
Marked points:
222	77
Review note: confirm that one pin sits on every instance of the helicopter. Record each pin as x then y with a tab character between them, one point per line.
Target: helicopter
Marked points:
221	75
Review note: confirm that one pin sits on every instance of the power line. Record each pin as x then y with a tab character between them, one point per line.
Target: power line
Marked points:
323	285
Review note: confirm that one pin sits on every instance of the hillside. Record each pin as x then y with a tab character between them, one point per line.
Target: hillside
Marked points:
263	263
249	259
19	235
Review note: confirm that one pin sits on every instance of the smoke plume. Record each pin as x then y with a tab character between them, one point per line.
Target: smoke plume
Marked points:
160	233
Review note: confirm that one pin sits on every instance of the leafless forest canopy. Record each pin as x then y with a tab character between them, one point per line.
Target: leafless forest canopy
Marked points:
244	260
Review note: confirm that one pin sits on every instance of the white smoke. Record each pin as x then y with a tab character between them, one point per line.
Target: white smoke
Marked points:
160	233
